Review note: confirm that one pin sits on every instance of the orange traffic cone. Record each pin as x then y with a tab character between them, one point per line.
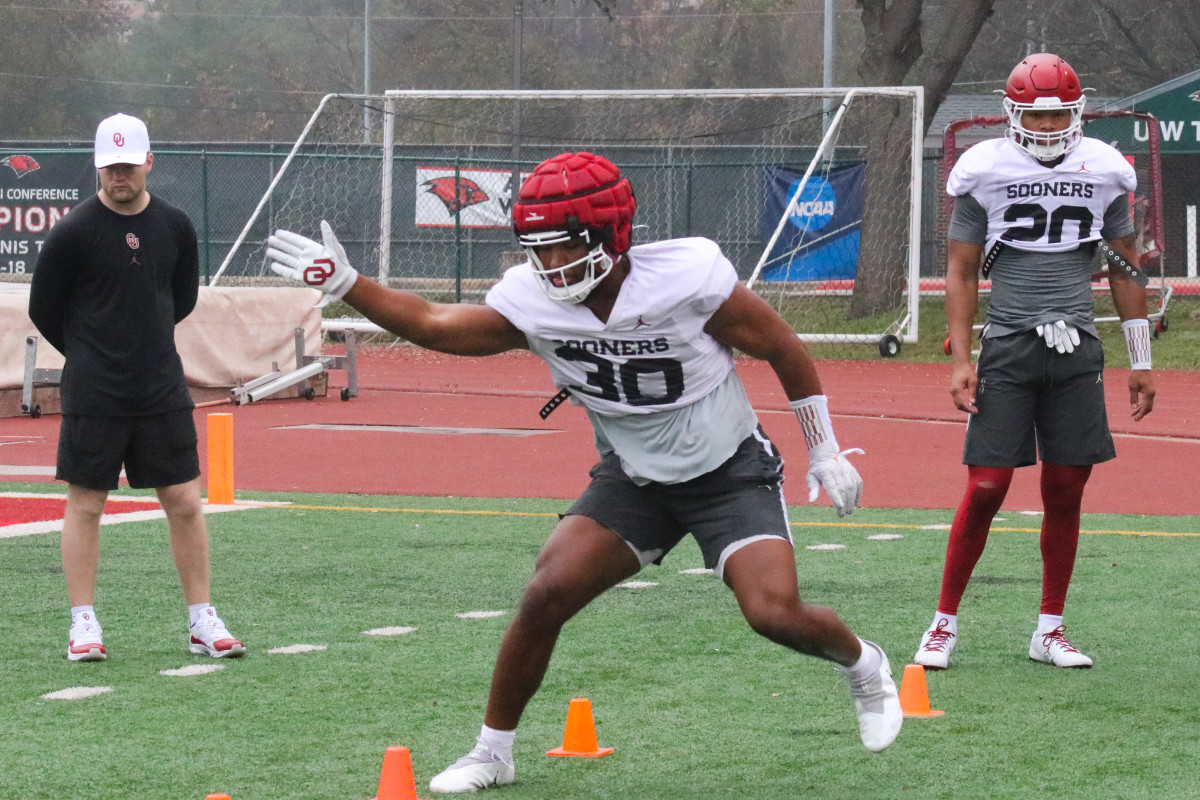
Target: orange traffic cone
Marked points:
217	797
579	739
396	779
914	694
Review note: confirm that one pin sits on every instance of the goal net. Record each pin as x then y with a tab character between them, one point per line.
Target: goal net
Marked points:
1146	207
813	194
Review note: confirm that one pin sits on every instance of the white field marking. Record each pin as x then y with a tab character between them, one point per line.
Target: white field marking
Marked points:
696	571
938	527
417	429
192	670
885	537
395	631
826	547
636	584
9	469
480	614
960	423
999	519
77	692
55	525
1030	513
297	648
20	441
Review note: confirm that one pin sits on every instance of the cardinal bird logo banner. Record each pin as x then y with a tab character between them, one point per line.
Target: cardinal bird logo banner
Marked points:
467	198
22	165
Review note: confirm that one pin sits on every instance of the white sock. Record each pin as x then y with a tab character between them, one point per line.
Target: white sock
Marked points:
868	663
500	742
951	622
1047	623
195	610
77	610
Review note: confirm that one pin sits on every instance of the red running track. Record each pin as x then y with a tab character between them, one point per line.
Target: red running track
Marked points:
899	412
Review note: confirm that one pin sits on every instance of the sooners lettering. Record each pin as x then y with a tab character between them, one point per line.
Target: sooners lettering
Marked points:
1049	189
316	273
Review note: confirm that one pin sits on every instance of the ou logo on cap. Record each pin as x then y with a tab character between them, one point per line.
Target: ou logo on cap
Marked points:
119	139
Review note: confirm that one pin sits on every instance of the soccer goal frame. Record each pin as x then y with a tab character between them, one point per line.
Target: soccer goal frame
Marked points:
699	162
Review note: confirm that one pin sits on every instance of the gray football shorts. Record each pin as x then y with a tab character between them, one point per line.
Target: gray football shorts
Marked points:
739	502
1034	401
157	451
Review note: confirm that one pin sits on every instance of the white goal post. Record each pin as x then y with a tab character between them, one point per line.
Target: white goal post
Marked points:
818	210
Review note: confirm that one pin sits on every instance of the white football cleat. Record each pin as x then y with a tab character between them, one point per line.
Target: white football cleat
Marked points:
86	642
877	703
210	637
936	646
478	769
1053	648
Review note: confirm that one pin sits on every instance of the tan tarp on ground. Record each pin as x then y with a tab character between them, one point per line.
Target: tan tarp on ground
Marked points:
232	337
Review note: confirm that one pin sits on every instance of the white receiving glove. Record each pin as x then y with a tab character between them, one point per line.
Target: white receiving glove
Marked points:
1059	336
321	266
826	465
831	469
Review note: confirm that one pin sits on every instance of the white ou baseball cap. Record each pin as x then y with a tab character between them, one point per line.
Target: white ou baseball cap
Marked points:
121	139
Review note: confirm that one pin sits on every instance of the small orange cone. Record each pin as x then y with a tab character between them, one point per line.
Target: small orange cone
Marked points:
579	739
217	797
914	694
396	779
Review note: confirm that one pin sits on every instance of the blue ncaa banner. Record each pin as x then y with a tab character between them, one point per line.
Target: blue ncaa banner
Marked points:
820	239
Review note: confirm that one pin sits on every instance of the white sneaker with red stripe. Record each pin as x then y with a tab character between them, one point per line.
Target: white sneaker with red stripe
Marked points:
1052	647
210	637
936	645
86	642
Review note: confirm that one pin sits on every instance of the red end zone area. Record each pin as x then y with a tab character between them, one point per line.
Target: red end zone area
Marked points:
18	509
429	424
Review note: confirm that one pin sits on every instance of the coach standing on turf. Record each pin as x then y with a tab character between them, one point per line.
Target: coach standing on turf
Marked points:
114	277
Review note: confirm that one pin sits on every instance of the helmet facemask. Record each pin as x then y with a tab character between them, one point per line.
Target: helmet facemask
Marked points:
1042	145
577	198
555	282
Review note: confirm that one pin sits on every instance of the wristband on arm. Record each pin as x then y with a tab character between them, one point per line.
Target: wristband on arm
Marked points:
1137	342
813	413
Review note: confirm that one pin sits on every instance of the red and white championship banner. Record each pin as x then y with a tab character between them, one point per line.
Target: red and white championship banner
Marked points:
468	198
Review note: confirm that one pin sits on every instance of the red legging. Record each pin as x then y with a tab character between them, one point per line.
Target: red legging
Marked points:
1062	495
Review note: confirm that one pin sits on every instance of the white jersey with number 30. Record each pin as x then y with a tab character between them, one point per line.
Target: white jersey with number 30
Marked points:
659	390
1034	207
653	353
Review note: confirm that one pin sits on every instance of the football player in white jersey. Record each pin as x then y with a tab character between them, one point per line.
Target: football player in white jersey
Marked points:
1040	201
643	338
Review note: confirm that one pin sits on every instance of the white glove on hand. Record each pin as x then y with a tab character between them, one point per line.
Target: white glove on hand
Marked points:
1059	336
829	468
321	266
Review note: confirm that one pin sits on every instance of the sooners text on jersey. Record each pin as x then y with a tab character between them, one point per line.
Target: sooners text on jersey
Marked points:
652	354
1032	207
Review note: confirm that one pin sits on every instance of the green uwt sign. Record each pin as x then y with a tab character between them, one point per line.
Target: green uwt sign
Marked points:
1175	104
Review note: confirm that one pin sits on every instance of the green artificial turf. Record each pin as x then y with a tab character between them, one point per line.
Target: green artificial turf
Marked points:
695	704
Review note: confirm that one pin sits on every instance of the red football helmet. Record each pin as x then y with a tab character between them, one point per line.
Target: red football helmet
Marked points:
575	195
1044	82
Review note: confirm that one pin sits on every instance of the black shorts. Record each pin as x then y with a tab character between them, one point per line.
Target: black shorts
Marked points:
739	502
157	451
1035	401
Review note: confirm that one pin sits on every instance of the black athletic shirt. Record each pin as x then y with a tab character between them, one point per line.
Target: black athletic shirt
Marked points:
107	292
